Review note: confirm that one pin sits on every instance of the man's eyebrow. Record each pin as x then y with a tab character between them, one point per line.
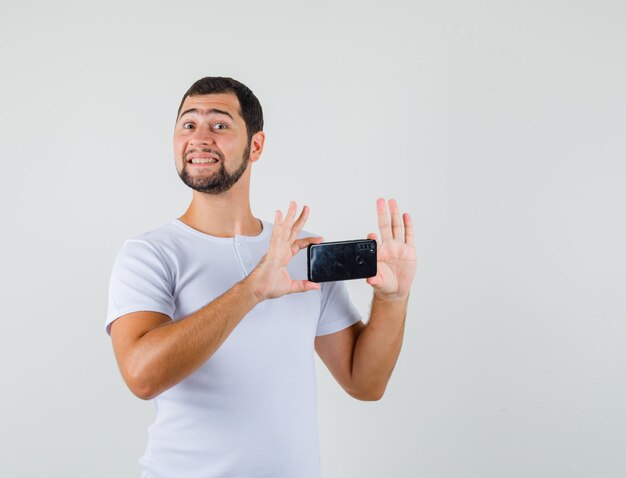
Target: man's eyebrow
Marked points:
211	111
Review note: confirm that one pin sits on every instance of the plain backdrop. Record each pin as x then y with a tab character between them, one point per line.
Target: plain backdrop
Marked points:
499	125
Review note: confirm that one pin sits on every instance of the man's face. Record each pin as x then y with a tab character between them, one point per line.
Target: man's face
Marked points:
211	145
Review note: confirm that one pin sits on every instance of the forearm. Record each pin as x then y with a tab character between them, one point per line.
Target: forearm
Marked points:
378	347
167	354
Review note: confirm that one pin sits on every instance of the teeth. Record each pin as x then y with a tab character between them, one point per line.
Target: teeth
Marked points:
203	160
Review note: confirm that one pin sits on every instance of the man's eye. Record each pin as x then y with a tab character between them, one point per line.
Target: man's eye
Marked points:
219	126
187	125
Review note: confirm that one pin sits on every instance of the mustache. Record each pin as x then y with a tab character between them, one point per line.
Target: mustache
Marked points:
215	152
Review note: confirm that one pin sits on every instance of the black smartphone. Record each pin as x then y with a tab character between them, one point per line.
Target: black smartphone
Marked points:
341	260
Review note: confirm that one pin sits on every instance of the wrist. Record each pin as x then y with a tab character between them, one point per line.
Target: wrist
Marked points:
391	298
248	291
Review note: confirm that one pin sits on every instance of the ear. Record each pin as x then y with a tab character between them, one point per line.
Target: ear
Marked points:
256	145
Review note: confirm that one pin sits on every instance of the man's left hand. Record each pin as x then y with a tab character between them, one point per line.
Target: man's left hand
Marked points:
396	253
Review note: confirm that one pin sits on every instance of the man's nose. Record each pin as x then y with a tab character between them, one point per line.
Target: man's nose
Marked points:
202	136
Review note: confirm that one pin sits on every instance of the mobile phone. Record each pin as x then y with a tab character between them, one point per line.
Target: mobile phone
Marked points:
341	260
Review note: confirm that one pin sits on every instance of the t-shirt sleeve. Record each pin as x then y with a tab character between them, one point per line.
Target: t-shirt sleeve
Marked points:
337	311
140	281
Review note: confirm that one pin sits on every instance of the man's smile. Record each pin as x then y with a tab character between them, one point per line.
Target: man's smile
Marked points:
204	158
202	161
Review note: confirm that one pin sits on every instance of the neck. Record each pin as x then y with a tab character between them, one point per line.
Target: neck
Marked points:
223	215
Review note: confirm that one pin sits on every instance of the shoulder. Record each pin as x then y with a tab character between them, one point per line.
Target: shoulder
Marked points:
159	236
157	244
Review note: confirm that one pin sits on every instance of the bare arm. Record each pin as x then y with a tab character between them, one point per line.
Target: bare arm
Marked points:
155	353
362	357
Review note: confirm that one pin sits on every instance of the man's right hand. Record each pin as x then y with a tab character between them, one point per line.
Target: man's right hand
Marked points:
154	352
270	278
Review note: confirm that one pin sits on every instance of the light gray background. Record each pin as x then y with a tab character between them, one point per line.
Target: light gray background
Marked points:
498	125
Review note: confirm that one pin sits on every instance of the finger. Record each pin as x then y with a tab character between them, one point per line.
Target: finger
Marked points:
383	220
305	242
303	286
396	219
373	236
373	281
299	224
278	220
291	214
408	230
276	234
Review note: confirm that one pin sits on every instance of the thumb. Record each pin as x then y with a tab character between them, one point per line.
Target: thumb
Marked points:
303	286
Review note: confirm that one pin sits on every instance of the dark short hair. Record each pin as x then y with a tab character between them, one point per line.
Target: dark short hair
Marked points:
250	108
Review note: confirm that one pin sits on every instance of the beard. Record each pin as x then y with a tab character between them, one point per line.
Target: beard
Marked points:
218	182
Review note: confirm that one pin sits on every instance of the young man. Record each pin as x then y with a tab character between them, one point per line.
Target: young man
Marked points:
206	318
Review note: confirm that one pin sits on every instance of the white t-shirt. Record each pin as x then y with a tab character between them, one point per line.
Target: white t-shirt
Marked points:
251	409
